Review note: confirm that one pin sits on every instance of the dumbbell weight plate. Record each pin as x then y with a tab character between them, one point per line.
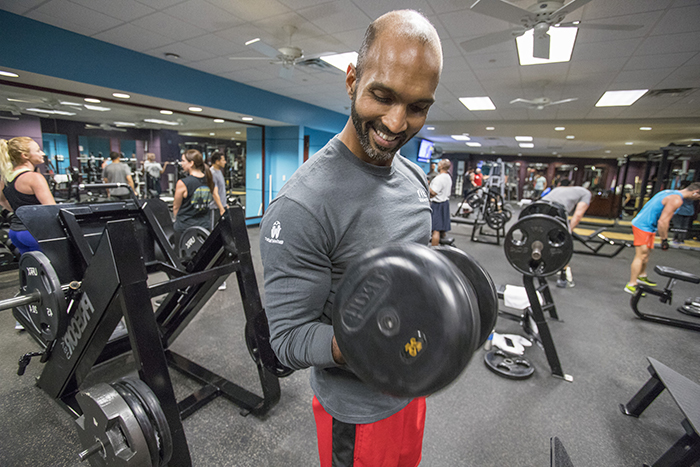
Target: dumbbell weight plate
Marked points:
49	316
481	282
538	245
191	241
507	365
405	319
545	207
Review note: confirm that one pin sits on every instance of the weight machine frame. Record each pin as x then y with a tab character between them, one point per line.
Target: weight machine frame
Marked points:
481	213
599	240
113	247
535	312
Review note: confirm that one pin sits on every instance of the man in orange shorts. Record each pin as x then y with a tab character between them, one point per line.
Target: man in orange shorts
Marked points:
655	216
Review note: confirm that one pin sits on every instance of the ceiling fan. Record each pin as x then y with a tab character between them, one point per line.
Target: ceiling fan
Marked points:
541	102
288	56
539	17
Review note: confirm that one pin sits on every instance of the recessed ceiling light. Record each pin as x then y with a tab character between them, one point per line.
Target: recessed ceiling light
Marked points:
523	138
461	138
695	139
341	61
570	137
172	55
160	122
490	128
124	124
561	45
212	134
9	74
70	103
608	151
195	109
430	128
218	120
645	128
247	119
477	103
166	112
121	95
526	145
252	41
238	132
629	143
92	100
53	112
474	144
620	98
520	153
97	108
554	153
559	128
233	139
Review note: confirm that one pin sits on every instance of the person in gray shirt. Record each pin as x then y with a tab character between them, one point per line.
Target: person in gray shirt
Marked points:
117	172
356	193
575	200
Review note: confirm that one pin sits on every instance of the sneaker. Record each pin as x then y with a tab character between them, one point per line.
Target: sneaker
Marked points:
632	290
222	286
561	283
646	280
570	284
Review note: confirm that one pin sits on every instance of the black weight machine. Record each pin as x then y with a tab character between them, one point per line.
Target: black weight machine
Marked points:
93	271
596	241
490	211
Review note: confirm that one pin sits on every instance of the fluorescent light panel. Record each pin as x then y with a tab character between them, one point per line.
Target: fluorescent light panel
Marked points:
9	74
477	103
160	122
98	108
52	112
620	98
341	61
523	138
561	45
527	145
461	137
559	128
474	144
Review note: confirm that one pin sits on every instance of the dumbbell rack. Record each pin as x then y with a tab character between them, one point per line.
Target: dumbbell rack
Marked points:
111	248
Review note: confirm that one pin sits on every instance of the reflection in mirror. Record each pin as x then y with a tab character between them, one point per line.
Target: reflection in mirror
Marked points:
78	133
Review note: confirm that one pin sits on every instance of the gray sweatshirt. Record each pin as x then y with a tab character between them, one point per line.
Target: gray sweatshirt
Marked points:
332	209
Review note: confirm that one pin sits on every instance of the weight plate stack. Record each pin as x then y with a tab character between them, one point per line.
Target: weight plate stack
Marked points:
538	245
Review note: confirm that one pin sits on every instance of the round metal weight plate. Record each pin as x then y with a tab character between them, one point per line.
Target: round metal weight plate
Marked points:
538	245
151	405
108	420
507	212
191	241
49	315
405	319
482	284
508	365
495	220
545	207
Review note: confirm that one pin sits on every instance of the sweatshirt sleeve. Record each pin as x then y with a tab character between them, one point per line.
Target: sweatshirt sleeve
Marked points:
297	271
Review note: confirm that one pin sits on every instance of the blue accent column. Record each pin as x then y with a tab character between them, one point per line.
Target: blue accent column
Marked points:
254	173
284	153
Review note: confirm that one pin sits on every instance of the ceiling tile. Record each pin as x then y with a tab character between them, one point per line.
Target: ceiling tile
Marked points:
160	4
63	23
646	62
670	43
679	20
215	45
338	16
612	8
186	52
376	9
205	15
252	10
125	10
76	14
214	65
133	37
169	26
646	20
19	8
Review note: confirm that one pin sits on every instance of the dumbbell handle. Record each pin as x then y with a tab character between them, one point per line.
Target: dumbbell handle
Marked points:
20	300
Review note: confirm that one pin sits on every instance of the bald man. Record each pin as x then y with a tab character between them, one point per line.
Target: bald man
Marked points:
357	192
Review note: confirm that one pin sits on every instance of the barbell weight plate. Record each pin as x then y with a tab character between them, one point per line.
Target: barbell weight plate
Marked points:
508	365
405	319
139	411
507	212
545	207
481	282
155	414
191	241
107	418
48	315
538	245
495	220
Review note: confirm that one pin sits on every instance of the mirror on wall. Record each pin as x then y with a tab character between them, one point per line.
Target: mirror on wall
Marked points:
77	135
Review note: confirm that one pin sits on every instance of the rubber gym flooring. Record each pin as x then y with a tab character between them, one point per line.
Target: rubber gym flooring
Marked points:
481	420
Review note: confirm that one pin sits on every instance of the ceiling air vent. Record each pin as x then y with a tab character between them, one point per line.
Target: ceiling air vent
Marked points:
671	92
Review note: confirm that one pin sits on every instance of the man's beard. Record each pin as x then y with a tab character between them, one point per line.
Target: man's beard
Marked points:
373	153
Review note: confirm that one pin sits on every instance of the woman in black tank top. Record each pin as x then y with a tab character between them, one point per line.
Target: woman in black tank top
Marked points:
21	186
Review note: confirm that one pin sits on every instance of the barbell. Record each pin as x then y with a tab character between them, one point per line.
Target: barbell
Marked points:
539	244
407	318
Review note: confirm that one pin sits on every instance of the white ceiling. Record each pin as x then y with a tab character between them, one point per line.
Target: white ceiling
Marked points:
664	53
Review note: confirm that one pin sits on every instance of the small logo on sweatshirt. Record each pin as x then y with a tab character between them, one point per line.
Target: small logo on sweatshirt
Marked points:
275	234
422	196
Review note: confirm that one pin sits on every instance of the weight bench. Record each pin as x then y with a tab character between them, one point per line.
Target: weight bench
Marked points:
665	296
595	241
686	394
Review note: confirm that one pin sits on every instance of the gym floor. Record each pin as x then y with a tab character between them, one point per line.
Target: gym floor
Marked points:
480	420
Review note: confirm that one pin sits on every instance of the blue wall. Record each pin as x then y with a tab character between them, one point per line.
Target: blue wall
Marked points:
317	139
284	148
254	174
40	48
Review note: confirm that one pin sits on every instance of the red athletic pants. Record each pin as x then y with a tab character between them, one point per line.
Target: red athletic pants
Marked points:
396	441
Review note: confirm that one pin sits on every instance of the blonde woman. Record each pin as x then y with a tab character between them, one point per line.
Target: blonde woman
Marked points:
20	185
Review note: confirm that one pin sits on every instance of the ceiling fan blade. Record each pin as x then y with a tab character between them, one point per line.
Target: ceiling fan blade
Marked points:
568	8
540	47
493	38
611	27
501	9
563	101
249	58
514	101
264	49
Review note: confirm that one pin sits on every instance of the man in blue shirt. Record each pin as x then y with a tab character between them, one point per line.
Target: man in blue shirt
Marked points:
655	216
